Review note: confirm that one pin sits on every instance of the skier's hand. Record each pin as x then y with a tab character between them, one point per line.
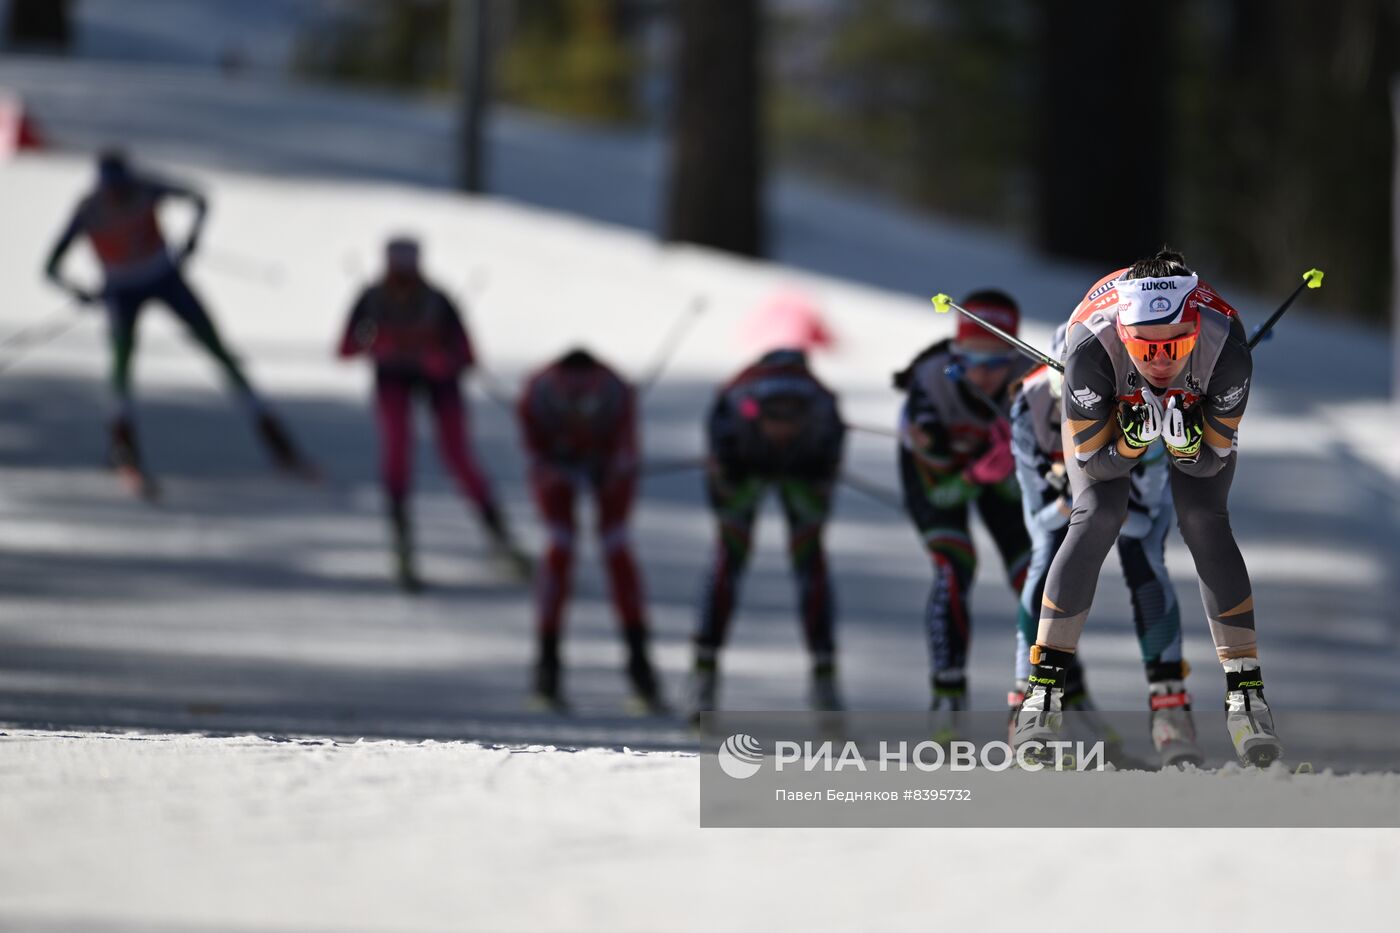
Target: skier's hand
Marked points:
1141	424
996	464
1182	430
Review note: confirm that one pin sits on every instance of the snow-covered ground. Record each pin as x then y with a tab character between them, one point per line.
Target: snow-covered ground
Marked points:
177	833
245	604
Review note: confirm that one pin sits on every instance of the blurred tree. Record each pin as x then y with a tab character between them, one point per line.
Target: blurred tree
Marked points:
39	23
1105	127
574	57
716	184
405	43
1291	143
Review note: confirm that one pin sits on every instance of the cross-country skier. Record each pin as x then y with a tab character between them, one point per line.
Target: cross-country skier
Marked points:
774	425
415	338
579	421
120	220
1153	352
1036	417
955	456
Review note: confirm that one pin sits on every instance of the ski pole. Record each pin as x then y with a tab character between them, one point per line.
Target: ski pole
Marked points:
477	280
680	465
672	342
873	491
868	429
942	304
1311	279
47	329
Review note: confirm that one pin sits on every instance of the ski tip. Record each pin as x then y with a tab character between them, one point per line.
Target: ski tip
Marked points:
941	303
1313	277
1304	767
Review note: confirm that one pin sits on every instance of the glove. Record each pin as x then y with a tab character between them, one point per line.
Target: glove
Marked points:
954	491
997	463
1141	424
1182	431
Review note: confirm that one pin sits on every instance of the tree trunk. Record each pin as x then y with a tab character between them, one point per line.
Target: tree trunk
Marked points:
1106	131
716	184
39	23
473	53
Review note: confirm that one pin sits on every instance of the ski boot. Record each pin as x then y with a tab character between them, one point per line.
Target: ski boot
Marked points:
702	695
284	453
948	705
1042	711
1247	715
1173	728
402	531
548	692
646	690
125	458
823	695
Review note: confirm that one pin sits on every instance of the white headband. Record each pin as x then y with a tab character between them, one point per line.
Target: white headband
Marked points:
1154	301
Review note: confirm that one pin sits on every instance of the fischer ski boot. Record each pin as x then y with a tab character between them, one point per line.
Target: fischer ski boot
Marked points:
1014	698
702	694
1042	711
948	705
283	451
404	572
641	675
125	458
548	692
1173	728
1247	715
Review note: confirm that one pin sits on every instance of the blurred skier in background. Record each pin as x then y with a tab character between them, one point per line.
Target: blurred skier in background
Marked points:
1047	504
120	220
579	422
418	344
954	456
773	426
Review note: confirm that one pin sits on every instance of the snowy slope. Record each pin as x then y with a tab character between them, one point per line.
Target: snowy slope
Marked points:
178	832
248	605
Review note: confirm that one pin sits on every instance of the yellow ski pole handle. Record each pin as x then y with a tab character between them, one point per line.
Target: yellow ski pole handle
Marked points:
1311	279
943	304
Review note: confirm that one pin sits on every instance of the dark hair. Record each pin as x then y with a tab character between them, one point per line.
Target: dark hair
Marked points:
994	297
1167	262
578	358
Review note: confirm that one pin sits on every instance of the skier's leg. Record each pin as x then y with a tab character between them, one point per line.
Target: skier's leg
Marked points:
1044	543
393	409
614	501
454	447
947	625
1095	519
1157	619
176	293
807	507
734	501
124	452
1203	514
553	492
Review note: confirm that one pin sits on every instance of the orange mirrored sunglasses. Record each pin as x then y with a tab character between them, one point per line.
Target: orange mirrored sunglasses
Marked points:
1174	348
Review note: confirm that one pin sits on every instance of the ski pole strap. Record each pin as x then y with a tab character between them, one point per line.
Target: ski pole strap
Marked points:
943	304
1311	279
